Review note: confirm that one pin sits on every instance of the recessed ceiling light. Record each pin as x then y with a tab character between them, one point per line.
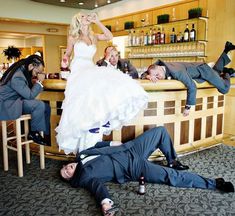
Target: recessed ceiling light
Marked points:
62	0
81	3
96	5
108	1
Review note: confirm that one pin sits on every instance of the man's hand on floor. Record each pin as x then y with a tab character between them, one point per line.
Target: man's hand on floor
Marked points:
108	209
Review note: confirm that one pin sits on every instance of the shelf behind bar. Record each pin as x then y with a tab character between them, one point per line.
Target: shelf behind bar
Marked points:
163	24
167	44
182	56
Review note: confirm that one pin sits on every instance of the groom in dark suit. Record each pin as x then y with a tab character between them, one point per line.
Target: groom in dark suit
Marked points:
112	59
18	93
126	162
186	72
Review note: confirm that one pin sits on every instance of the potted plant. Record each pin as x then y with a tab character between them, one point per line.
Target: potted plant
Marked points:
194	13
129	25
164	18
12	53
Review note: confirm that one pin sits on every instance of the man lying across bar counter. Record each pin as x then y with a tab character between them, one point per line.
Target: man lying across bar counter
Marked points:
186	72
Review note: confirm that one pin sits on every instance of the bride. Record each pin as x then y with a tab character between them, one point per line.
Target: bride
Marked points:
97	99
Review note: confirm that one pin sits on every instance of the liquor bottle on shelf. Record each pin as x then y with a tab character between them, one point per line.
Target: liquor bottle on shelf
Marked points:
158	36
192	34
180	37
137	39
146	37
134	39
154	34
142	38
173	36
141	190
150	37
130	38
162	37
186	34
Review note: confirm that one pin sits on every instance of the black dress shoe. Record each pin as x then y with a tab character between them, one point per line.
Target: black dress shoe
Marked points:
36	137
178	166
230	71
228	47
224	186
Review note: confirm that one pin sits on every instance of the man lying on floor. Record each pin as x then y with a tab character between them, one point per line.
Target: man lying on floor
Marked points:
117	162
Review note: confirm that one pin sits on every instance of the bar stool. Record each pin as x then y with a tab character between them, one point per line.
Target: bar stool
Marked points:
19	143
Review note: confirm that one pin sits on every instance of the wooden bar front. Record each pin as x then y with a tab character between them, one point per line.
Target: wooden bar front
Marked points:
203	127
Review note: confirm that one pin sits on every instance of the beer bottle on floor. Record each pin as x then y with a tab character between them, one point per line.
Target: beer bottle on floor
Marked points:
142	189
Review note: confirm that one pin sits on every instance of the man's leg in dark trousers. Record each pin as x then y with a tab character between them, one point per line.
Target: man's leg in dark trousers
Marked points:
154	173
222	61
212	75
40	115
152	139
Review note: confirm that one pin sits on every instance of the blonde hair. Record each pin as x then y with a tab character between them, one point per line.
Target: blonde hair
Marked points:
75	28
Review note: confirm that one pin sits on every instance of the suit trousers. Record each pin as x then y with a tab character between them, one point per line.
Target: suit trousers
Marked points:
40	115
213	75
154	173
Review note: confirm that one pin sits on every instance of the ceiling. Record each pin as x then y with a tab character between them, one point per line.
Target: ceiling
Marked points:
87	4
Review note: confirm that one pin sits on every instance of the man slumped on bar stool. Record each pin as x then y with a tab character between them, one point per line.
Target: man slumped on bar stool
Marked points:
126	162
18	93
186	72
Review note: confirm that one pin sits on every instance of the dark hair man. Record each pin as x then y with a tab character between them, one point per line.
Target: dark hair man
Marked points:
18	93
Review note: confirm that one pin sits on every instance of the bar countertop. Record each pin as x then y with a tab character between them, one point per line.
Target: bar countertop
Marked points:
59	84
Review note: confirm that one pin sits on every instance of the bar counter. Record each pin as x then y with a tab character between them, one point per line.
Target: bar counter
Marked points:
203	127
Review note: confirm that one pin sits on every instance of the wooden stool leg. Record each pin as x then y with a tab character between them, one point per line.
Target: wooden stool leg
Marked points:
42	155
4	141
19	148
27	149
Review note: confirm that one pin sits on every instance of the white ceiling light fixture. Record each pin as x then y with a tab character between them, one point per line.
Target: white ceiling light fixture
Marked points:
96	5
62	1
81	3
108	1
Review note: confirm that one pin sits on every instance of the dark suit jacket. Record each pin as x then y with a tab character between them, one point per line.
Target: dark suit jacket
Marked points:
13	93
89	175
122	63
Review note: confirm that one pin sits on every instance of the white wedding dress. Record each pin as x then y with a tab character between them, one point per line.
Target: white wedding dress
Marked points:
95	96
